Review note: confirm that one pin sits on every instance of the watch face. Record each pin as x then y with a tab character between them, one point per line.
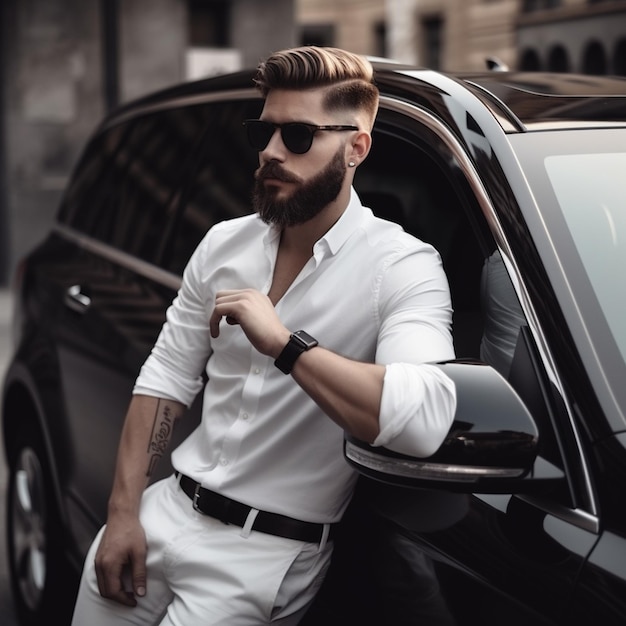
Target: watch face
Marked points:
306	339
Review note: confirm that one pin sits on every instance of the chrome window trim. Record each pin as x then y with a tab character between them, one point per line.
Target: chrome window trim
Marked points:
451	142
576	517
248	93
127	261
510	124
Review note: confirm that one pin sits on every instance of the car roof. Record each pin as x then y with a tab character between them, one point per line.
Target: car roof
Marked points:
521	101
549	100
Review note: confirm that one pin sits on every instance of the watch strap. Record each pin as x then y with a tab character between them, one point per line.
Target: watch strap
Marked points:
298	343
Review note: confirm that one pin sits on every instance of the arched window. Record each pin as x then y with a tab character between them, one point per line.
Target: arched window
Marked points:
594	59
558	59
530	61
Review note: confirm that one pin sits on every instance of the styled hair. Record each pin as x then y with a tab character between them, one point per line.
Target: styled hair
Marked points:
349	77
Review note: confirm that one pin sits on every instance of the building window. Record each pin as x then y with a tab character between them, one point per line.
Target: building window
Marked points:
530	6
432	29
380	39
209	22
594	59
530	62
317	35
558	60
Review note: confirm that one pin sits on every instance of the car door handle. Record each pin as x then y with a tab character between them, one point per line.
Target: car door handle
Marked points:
76	300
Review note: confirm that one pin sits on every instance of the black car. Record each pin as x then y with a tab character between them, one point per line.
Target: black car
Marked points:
519	180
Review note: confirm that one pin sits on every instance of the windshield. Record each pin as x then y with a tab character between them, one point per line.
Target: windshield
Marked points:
591	191
578	179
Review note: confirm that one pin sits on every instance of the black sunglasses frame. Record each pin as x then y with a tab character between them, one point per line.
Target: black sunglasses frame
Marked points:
297	145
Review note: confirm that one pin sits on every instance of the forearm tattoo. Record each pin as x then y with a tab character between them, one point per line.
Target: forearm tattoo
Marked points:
164	418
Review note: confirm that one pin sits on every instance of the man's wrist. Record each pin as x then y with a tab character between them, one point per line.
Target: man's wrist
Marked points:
299	342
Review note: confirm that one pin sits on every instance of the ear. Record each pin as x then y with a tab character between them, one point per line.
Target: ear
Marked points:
360	147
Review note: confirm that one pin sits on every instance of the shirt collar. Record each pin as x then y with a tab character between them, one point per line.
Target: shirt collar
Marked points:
336	236
343	228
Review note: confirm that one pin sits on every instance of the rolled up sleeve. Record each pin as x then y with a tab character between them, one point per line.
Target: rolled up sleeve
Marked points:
418	400
174	367
417	409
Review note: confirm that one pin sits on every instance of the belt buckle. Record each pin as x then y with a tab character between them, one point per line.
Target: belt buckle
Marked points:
196	496
222	515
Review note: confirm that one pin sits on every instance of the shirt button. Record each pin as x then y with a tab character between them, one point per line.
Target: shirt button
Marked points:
223	461
257	370
244	416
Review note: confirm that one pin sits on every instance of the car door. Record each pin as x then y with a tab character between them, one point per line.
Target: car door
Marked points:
113	267
413	555
601	588
518	557
107	291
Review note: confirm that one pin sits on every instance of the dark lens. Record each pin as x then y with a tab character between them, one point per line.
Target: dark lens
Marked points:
259	133
297	137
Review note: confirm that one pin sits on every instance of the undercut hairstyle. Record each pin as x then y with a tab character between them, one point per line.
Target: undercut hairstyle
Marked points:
349	77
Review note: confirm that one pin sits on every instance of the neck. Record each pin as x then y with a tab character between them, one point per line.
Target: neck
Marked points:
304	236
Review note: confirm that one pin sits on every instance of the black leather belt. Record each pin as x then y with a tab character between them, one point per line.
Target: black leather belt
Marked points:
233	512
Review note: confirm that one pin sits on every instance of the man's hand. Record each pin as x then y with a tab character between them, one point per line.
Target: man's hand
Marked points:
121	561
256	315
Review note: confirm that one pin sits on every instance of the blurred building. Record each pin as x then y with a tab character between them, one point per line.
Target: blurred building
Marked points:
356	25
584	36
452	34
587	36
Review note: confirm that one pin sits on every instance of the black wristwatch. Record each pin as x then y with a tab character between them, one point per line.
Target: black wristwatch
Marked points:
298	343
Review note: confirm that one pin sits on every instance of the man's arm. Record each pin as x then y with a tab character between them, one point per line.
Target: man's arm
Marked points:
418	407
348	391
145	437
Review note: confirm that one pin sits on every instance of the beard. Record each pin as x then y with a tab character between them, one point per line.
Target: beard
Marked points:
307	200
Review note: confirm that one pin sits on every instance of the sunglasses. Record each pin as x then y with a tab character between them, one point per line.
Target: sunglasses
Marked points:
297	136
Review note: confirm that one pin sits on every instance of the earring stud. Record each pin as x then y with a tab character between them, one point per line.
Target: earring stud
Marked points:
351	164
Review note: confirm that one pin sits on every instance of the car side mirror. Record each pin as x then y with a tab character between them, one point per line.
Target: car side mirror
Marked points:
492	446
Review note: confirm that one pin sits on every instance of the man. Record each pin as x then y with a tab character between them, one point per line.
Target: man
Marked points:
242	533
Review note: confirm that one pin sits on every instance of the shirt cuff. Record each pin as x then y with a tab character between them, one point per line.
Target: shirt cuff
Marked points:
418	404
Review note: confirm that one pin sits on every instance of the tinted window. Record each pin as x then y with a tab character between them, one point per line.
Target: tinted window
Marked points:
127	186
578	182
405	179
220	182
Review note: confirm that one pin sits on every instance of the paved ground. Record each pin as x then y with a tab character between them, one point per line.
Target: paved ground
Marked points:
7	614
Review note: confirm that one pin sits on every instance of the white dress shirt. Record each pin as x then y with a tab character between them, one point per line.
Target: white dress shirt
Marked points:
370	292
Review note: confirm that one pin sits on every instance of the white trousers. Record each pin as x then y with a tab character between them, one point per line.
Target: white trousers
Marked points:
202	572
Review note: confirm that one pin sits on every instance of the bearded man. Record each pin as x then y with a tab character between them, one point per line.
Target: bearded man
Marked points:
311	317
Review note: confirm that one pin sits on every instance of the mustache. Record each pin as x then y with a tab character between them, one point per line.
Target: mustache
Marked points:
274	170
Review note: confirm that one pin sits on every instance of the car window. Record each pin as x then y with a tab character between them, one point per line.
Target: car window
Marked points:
576	176
406	179
126	188
219	186
592	206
